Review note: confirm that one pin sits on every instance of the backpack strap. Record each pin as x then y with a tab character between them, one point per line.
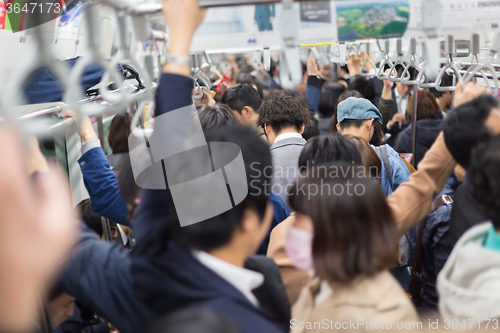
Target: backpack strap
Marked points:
384	158
416	272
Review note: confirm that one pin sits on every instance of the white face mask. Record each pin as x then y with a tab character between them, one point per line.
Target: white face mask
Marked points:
298	247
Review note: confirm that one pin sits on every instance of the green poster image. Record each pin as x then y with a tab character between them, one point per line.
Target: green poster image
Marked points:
371	19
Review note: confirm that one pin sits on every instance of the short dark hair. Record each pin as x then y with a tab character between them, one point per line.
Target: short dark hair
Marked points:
483	179
216	116
89	217
364	86
129	190
217	231
354	235
241	95
427	106
282	111
311	130
447	81
356	123
328	98
464	127
328	149
119	131
251	80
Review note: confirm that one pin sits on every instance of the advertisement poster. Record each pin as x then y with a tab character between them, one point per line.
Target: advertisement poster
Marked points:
315	11
256	26
372	19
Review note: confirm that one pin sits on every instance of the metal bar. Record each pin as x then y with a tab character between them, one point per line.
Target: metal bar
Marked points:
100	131
414	124
42	112
60	125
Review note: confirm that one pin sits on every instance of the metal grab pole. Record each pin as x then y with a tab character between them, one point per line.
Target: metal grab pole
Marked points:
414	124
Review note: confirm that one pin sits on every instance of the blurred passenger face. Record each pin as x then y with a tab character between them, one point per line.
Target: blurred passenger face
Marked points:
403	90
60	309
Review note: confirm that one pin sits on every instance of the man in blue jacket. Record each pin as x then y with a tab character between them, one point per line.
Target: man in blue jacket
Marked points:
355	117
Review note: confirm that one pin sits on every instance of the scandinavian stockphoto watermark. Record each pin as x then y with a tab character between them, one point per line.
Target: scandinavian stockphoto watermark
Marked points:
207	179
176	155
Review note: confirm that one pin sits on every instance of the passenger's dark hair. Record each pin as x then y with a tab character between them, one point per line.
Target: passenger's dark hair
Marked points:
356	123
300	98
129	190
354	235
54	293
328	98
193	320
345	95
89	217
427	106
364	86
251	80
310	131
119	131
483	179
274	65
464	127
378	134
369	157
241	95
447	81
328	149
217	116
281	112
217	231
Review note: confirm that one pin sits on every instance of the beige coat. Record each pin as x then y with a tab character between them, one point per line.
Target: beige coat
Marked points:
360	306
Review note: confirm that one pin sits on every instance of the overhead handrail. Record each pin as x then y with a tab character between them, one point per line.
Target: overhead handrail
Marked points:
477	69
368	60
91	25
41	57
386	61
123	54
406	77
450	65
421	77
399	61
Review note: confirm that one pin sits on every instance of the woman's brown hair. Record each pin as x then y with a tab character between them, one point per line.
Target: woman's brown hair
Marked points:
119	131
354	229
369	157
427	107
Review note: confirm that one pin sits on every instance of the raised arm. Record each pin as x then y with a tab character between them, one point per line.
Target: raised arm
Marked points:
411	201
100	181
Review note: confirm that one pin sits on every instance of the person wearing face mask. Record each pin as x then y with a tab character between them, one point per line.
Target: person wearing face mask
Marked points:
290	249
351	261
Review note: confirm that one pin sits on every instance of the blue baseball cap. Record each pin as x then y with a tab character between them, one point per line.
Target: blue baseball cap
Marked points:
357	108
